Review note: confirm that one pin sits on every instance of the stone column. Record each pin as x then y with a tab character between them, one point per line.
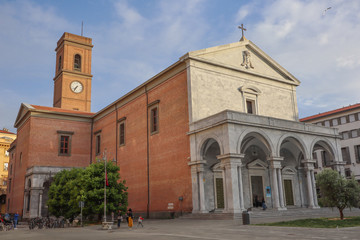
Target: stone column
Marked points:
275	163
310	188
241	188
198	193
40	203
202	191
230	163
316	204
281	191
309	168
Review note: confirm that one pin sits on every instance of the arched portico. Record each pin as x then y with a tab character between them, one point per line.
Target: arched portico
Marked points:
255	158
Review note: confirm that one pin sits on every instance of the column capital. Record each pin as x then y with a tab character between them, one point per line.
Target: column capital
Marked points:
231	155
273	158
197	166
230	160
308	164
275	162
197	162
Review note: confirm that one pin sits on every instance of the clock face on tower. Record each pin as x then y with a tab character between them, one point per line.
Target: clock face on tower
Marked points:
76	87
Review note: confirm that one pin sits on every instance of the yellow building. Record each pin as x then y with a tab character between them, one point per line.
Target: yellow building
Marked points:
6	138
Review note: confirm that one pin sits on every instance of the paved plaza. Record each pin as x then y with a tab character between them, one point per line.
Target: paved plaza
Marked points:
187	229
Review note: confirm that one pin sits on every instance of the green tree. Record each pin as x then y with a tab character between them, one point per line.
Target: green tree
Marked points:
63	191
92	182
72	186
337	191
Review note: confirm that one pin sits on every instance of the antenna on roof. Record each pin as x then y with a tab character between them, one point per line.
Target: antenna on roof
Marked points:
82	27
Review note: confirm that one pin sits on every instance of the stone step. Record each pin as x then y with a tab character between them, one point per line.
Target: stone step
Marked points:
271	213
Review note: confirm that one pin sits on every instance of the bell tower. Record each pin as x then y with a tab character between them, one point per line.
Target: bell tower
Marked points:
72	82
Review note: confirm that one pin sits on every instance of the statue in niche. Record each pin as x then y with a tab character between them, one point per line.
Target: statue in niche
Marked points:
247	60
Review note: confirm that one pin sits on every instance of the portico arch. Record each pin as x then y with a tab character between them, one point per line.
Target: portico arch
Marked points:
212	176
323	150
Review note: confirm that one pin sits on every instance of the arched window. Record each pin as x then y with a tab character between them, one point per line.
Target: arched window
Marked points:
59	64
77	62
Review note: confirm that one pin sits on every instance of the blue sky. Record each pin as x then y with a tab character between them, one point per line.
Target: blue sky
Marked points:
135	39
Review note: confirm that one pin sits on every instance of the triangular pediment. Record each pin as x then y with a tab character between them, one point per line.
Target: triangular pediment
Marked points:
288	170
244	56
257	164
24	109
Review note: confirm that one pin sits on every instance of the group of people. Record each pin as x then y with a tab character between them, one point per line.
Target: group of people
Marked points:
129	219
7	219
257	203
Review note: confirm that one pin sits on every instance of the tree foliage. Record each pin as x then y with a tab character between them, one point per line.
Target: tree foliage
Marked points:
72	186
337	191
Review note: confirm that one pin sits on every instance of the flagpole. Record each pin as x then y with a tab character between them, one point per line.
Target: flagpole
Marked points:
105	188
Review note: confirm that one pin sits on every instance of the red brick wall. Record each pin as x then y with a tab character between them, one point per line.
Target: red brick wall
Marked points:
168	150
37	142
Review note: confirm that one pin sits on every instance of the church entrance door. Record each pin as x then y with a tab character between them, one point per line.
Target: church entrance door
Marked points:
257	190
288	192
219	193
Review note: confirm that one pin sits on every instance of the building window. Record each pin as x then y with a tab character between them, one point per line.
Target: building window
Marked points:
59	64
354	133
357	153
20	162
346	155
65	143
351	118
154	123
325	159
77	62
6	166
4	182
315	158
343	120
345	135
250	106
335	122
10	169
97	144
327	123
347	172
122	133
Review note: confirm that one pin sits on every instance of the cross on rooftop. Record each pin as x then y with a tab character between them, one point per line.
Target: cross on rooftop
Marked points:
242	31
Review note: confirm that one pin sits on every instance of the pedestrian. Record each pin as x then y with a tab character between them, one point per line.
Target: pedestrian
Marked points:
263	204
130	218
140	220
16	216
119	219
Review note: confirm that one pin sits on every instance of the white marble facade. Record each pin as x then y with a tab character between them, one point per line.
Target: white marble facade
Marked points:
246	141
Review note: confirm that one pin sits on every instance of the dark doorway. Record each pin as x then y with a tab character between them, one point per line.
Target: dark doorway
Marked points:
257	190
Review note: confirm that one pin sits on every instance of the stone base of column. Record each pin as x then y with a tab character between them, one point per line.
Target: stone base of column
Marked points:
281	208
200	211
314	207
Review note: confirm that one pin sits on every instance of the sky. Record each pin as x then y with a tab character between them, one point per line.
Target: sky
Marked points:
136	39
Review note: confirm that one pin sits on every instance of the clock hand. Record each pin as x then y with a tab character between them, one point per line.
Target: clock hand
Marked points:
75	88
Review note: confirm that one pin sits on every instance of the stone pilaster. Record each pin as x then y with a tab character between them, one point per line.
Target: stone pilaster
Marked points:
198	192
231	164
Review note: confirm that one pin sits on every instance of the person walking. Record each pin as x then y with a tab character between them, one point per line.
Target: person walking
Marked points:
119	219
16	217
130	218
140	220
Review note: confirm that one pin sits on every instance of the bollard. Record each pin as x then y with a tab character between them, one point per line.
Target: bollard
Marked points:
246	218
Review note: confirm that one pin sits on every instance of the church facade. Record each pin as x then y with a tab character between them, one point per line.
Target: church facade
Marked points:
216	131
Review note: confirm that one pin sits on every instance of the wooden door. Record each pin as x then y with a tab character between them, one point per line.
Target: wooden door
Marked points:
219	193
289	197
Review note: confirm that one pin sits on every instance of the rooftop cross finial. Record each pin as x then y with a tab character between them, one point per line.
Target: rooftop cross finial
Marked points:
242	32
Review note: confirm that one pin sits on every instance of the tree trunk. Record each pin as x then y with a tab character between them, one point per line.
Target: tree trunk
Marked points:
341	213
